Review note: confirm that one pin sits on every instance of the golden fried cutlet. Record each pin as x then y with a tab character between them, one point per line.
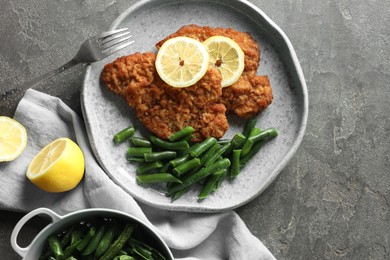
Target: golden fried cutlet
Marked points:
250	94
162	108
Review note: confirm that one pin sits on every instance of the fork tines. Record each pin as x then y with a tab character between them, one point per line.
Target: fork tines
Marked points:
115	40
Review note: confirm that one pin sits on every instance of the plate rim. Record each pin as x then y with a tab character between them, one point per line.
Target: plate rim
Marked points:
289	154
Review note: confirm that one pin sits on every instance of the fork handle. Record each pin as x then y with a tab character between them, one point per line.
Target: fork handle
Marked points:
34	82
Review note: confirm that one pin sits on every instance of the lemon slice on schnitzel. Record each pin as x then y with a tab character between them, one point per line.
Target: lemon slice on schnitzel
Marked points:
182	61
13	139
58	167
227	57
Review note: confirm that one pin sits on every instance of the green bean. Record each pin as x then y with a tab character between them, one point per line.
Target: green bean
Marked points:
236	143
202	173
208	186
205	156
91	232
165	168
217	154
140	142
55	246
174	146
187	166
255	148
107	239
220	180
203	147
124	134
157	177
70	249
118	244
136	159
142	252
66	238
248	142
155	253
250	124
157	156
188	138
123	257
265	134
76	238
176	162
179	193
246	147
71	258
235	170
223	141
181	133
93	243
147	167
138	151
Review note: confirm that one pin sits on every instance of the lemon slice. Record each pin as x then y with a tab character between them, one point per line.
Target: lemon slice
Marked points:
13	139
182	61
227	57
58	167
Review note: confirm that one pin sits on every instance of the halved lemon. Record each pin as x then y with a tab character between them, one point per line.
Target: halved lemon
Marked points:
58	167
13	139
182	61
227	57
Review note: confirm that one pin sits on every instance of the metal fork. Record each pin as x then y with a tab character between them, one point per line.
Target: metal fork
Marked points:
93	49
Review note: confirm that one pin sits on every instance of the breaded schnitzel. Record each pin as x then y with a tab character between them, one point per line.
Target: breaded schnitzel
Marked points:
162	108
251	94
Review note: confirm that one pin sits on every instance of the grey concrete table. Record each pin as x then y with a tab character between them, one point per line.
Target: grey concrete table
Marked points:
332	201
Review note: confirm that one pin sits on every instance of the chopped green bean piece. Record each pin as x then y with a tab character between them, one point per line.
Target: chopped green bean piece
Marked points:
250	124
248	142
187	166
157	177
236	143
176	162
140	142
265	134
173	146
93	243
208	186
83	244
136	159
186	131
118	244
203	147
255	148
55	246
159	156
124	134
214	157
235	169
147	167
138	151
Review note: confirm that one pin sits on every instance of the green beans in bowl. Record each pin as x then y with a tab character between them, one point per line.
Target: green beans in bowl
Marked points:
92	234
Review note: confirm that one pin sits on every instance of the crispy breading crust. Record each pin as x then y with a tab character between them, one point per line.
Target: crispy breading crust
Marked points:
162	108
249	95
165	110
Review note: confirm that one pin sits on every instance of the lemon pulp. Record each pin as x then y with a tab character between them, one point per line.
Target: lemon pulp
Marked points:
182	61
13	139
227	57
58	167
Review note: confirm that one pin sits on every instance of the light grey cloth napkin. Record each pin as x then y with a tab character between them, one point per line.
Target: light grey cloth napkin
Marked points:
189	235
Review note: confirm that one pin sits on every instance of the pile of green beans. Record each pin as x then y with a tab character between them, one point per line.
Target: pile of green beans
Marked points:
181	163
99	238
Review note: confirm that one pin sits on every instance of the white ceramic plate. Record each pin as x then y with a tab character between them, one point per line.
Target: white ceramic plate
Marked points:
150	21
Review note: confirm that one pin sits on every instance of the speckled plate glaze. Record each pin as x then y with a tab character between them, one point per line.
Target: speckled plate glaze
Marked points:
150	21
